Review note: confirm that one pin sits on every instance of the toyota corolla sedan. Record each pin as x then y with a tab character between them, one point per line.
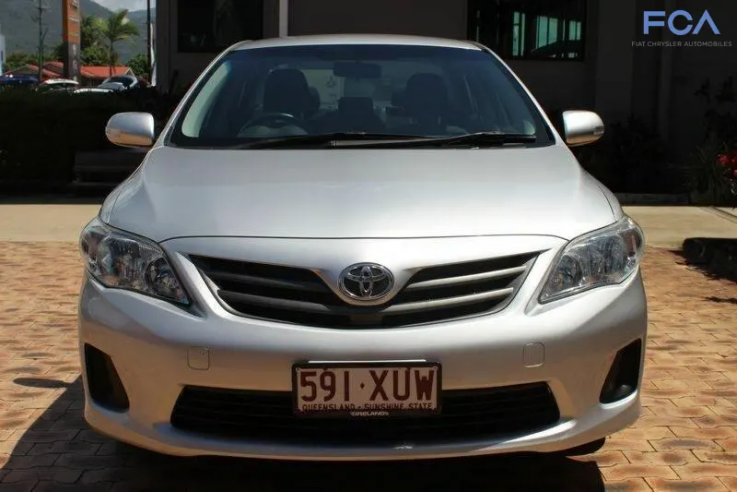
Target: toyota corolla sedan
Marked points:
361	248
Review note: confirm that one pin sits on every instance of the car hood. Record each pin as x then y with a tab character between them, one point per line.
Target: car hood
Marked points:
360	193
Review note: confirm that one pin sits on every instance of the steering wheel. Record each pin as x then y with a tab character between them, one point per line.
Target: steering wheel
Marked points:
273	120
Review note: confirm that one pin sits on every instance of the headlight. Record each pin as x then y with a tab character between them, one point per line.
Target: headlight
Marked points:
604	257
124	261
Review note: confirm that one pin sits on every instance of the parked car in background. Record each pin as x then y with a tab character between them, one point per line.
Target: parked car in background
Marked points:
18	81
120	83
58	85
361	248
116	84
92	90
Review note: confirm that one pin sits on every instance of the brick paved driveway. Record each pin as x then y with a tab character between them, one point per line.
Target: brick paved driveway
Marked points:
685	440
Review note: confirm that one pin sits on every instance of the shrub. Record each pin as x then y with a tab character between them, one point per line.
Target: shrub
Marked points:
632	158
710	182
40	132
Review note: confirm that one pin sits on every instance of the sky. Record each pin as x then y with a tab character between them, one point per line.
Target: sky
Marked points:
125	4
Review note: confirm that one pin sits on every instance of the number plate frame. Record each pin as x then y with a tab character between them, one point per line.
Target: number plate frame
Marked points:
346	414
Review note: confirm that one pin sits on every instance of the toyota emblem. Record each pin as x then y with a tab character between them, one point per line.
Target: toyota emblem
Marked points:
366	281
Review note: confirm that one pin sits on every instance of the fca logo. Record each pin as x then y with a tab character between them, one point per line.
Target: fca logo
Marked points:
651	15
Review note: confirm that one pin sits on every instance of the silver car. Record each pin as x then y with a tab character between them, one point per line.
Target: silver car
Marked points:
361	248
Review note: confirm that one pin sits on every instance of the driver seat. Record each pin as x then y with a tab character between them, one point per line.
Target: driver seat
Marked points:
286	91
427	102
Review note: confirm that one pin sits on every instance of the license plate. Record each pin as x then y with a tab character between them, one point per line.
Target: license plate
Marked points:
352	390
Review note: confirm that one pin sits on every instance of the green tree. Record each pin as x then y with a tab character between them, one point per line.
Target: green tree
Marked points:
90	33
139	65
95	56
114	29
18	59
58	52
93	51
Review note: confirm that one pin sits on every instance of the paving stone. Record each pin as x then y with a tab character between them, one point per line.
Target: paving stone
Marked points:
698	485
686	438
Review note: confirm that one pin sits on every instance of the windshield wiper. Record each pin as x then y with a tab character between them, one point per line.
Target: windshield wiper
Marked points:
362	139
481	139
324	139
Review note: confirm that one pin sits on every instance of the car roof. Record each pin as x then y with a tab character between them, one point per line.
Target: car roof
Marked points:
343	39
60	81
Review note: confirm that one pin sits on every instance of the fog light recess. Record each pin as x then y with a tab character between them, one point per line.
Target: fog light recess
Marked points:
106	388
624	375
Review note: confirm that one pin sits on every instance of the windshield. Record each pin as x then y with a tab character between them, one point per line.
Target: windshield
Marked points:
393	90
115	86
123	80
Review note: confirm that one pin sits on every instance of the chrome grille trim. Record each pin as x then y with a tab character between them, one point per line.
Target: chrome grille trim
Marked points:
410	307
300	296
267	282
427	284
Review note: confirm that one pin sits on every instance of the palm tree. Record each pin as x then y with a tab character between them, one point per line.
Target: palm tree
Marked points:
116	28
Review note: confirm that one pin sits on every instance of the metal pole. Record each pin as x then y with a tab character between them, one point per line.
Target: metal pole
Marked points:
283	18
40	7
40	42
148	37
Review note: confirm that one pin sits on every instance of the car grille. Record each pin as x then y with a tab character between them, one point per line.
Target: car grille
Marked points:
267	416
297	295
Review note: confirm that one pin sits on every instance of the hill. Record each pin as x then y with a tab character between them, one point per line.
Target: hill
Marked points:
129	50
21	30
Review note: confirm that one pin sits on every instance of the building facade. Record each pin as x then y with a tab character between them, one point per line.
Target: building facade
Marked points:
571	53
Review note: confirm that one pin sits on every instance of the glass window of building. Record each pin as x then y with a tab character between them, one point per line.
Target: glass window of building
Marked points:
530	29
210	26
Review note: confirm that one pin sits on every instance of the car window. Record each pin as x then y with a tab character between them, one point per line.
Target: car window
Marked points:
407	90
125	81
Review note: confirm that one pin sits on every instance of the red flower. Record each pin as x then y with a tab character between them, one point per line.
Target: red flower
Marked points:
725	160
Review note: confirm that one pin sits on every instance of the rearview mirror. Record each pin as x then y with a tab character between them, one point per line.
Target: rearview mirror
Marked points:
357	70
582	127
133	130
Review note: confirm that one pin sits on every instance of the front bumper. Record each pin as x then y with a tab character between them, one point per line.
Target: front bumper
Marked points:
158	349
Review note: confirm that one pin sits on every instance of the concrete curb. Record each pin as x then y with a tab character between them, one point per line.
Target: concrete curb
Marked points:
721	213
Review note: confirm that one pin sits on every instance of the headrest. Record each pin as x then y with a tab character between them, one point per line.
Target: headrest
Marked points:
426	93
286	91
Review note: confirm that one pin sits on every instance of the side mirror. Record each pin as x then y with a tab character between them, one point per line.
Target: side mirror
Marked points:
134	130
582	127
